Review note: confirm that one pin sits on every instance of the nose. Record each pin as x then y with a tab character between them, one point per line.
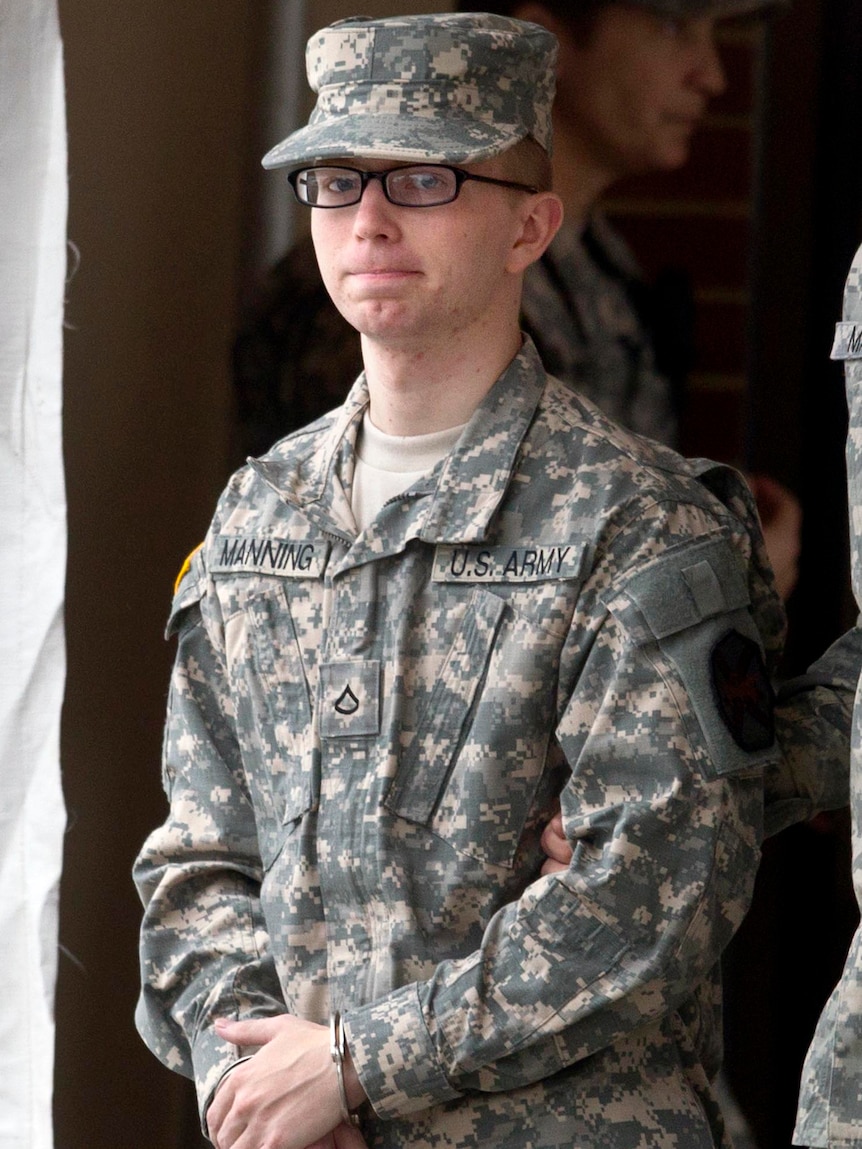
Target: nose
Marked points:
374	213
709	71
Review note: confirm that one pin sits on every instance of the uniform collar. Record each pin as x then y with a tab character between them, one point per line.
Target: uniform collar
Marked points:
474	476
456	502
313	469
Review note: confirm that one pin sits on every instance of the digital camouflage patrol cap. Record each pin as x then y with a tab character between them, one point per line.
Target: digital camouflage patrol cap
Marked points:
444	88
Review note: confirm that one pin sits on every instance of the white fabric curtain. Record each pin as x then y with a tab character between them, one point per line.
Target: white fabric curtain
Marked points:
32	557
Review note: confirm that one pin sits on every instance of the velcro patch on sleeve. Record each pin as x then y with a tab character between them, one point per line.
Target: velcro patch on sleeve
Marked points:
682	588
743	692
693	602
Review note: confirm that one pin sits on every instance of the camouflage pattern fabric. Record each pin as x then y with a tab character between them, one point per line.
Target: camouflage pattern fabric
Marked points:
830	1102
447	88
366	735
813	722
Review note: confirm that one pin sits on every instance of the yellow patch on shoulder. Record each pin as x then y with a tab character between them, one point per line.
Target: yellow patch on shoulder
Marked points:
185	568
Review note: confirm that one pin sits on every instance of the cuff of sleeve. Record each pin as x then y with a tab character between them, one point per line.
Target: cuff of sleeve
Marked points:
219	1083
394	1055
213	1057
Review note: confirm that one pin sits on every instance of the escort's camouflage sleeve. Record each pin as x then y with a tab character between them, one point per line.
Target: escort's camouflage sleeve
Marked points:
813	719
367	735
830	1101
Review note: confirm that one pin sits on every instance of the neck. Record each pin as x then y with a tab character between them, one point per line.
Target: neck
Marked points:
579	179
416	391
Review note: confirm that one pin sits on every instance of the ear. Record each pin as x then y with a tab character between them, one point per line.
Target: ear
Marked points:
543	214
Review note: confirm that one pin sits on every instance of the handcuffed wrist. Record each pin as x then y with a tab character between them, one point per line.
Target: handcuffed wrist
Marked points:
337	1050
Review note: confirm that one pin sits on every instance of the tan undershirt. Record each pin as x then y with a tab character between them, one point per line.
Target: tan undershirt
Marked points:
386	465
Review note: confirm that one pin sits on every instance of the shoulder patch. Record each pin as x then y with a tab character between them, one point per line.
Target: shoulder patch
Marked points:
187	590
743	692
186	567
693	603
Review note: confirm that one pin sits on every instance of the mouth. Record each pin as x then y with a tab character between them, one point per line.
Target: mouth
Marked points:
689	120
381	272
379	278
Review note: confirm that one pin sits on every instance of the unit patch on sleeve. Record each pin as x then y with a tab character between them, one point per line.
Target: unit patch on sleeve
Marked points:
291	558
506	564
185	568
743	692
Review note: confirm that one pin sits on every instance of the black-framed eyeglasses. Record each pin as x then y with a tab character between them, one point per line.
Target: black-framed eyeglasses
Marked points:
416	185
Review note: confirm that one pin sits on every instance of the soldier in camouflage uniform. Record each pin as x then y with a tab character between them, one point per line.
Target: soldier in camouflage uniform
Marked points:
830	1103
375	708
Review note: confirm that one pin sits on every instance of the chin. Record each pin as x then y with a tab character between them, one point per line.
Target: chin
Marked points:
661	155
671	157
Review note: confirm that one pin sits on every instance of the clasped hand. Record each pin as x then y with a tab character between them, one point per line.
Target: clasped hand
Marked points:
556	845
286	1096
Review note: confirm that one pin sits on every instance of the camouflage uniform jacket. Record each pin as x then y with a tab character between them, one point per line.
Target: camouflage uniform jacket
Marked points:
830	1100
366	735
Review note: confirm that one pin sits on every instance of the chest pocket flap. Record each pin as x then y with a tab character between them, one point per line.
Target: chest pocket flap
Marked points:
693	603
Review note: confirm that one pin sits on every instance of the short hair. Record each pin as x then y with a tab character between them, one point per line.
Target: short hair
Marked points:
579	16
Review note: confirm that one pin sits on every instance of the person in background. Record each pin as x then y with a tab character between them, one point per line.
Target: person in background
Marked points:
634	80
